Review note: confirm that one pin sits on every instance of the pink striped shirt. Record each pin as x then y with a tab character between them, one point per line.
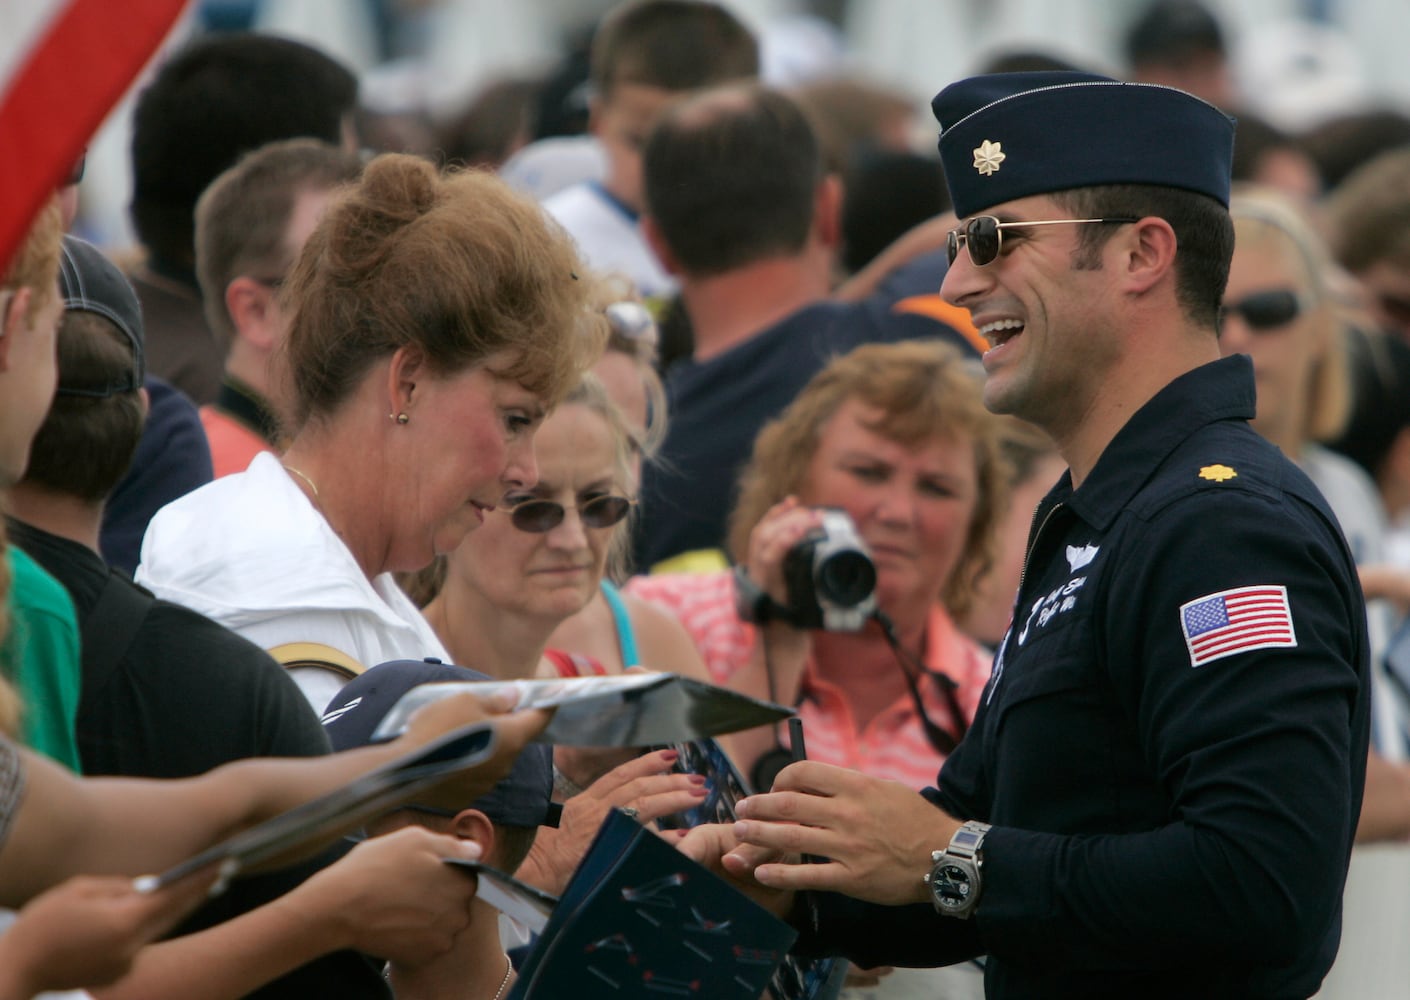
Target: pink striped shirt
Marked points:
893	744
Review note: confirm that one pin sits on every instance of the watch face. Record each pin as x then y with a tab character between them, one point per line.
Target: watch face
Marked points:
951	885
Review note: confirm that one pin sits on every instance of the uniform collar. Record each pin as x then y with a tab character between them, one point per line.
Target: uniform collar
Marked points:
1220	390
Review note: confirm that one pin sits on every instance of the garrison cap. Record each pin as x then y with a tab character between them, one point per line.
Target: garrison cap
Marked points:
1011	135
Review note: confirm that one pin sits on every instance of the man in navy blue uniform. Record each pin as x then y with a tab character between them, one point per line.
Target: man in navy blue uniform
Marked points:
1159	794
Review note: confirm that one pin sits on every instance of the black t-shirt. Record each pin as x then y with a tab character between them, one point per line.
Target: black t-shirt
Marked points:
186	696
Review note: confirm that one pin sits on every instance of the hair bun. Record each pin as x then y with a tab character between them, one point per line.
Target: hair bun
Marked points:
403	186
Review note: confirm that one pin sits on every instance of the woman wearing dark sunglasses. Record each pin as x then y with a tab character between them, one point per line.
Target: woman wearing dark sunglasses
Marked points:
1278	310
528	580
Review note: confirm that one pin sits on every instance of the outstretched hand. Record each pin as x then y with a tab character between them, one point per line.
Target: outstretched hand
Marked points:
392	896
86	931
513	731
867	837
645	784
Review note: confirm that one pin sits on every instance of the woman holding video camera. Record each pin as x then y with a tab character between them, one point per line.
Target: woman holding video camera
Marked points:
896	437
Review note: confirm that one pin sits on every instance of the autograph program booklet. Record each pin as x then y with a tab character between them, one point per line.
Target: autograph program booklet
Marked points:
640	919
304	828
619	710
796	978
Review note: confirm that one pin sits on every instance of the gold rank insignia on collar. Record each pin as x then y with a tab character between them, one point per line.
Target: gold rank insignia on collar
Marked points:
987	157
1217	473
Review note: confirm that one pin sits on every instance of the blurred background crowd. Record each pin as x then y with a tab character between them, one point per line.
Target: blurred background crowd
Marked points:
478	79
761	262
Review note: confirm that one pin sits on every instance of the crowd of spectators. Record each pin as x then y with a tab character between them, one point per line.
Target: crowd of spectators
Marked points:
556	385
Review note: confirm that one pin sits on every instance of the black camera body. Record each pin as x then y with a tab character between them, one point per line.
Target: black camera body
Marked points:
830	578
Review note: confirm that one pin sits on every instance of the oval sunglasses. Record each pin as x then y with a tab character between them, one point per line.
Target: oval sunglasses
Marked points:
983	235
539	516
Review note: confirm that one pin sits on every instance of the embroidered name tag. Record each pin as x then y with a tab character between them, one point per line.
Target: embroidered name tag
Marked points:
1236	621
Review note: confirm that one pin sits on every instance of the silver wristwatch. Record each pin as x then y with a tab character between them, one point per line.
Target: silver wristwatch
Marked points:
953	878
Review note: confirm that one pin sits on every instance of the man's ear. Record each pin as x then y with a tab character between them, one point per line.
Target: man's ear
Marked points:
14	310
657	242
250	304
471	824
1147	252
827	211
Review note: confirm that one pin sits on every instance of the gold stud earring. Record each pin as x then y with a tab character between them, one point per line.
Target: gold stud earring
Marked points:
400	418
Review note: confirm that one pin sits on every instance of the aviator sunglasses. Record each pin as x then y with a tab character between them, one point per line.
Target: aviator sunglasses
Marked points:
983	235
538	516
1265	311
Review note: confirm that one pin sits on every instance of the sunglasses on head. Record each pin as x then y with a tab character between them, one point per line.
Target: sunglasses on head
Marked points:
1264	311
631	320
983	235
538	516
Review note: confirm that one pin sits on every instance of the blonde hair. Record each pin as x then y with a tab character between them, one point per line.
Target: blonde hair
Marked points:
35	264
1261	216
924	390
641	349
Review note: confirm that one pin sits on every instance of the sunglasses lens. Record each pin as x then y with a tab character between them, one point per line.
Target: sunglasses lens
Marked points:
952	244
1268	310
603	512
982	235
537	516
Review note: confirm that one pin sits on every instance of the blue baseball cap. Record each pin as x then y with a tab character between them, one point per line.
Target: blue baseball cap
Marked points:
523	798
1005	136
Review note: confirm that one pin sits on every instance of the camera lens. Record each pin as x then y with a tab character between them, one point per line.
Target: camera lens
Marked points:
846	578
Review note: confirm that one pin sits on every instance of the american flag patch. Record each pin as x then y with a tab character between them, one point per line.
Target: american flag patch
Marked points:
1236	621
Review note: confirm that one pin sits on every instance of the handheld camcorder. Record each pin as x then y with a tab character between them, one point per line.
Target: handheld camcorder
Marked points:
830	578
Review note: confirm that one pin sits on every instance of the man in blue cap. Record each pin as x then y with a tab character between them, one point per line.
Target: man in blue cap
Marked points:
502	822
1160	791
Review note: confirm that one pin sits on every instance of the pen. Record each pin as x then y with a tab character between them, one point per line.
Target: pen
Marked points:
800	752
795	739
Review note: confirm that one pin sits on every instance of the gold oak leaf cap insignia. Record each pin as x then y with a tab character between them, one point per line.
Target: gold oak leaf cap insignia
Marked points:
1217	473
987	157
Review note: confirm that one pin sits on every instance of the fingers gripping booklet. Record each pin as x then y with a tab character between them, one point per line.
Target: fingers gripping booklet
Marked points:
618	710
601	929
302	830
640	919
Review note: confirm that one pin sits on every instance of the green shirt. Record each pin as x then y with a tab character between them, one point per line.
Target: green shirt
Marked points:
41	655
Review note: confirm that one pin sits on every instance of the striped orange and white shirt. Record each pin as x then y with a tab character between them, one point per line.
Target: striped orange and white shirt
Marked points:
893	744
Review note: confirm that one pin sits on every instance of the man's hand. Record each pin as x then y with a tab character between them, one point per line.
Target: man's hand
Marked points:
869	838
87	930
715	847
